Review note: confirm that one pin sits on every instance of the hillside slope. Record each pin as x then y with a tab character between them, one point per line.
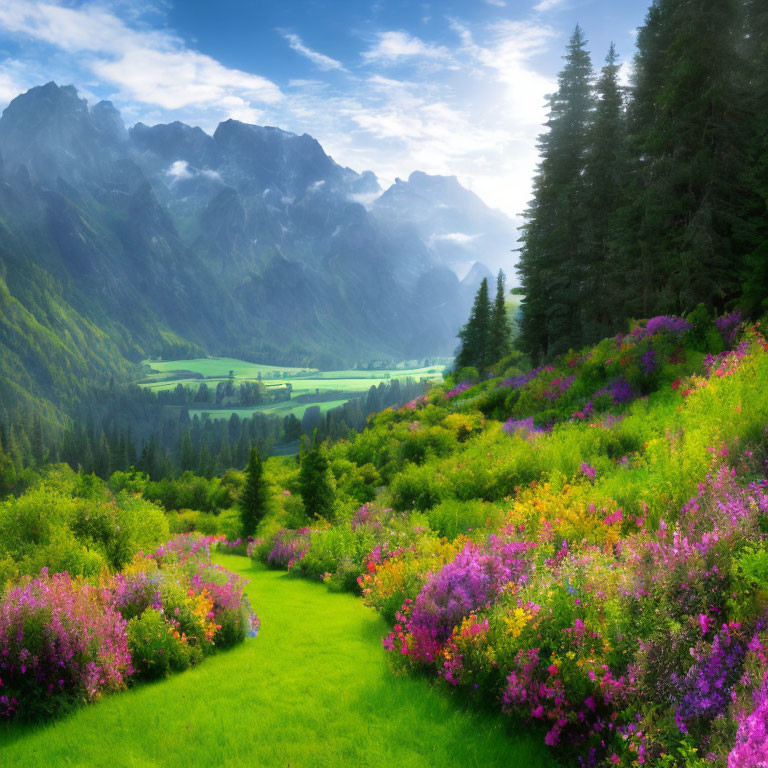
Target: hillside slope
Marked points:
582	545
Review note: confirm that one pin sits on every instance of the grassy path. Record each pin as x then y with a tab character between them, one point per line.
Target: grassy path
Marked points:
311	691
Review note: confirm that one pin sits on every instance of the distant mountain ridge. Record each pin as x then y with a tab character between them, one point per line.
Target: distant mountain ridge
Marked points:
165	240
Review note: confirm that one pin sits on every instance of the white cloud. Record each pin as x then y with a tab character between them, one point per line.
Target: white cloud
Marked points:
458	238
626	70
151	66
547	5
366	199
497	3
12	81
396	46
320	60
212	175
178	171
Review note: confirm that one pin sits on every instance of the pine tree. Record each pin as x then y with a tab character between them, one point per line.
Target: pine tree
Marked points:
7	473
475	335
551	264
316	481
682	241
186	453
103	458
755	291
254	499
499	341
37	442
605	175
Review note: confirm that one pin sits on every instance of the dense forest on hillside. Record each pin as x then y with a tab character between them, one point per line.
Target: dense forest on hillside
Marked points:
652	199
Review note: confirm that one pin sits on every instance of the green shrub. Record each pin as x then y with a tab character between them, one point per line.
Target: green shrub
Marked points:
155	652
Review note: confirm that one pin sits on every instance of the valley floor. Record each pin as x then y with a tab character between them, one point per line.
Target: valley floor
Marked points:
312	690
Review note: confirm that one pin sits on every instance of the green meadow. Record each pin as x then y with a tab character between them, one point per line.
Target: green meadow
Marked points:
219	367
313	690
281	409
166	375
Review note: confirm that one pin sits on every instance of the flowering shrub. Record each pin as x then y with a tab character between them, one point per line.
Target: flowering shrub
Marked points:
751	748
661	324
63	640
524	426
516	382
468	582
728	326
288	547
619	391
459	389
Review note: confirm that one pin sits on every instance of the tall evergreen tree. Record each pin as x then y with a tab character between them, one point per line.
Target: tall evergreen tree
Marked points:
316	481
254	499
187	454
499	340
682	240
605	175
475	335
755	294
551	267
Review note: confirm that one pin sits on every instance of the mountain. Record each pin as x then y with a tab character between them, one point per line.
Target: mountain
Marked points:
116	244
454	224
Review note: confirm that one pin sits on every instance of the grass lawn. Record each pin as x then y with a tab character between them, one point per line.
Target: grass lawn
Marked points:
169	373
312	690
221	366
282	408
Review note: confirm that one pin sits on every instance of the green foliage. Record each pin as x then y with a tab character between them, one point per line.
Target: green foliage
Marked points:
316	483
474	337
72	523
155	652
254	499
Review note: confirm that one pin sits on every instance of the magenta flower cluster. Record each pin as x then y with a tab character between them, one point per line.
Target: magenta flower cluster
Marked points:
63	641
662	324
524	426
751	748
459	389
288	547
728	326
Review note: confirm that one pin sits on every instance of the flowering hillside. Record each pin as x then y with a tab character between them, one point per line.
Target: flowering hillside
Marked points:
582	546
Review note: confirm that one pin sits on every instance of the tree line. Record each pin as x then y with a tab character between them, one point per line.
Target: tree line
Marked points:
486	337
119	427
652	198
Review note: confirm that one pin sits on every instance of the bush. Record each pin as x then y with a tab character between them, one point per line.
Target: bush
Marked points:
156	648
62	642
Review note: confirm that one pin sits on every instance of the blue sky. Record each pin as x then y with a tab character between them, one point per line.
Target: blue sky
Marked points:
452	87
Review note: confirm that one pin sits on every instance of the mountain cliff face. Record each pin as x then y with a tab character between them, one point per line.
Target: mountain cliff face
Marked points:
165	240
454	224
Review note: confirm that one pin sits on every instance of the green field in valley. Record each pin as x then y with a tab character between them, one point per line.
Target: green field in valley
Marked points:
166	375
219	367
281	409
313	690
